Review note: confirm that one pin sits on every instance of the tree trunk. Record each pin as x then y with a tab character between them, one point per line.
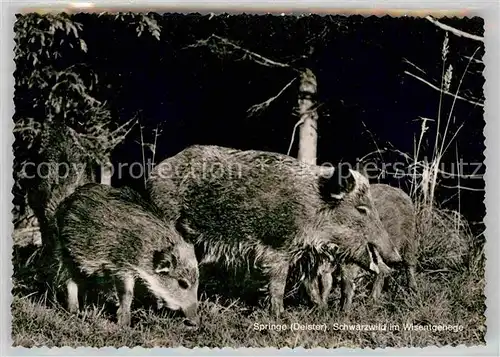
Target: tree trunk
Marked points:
308	137
106	173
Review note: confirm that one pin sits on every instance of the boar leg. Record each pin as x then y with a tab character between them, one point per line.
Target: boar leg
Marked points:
326	279
277	272
125	288
378	285
319	288
72	290
347	293
313	290
326	285
348	274
410	272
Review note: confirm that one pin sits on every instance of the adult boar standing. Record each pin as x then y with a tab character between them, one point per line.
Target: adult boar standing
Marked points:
269	210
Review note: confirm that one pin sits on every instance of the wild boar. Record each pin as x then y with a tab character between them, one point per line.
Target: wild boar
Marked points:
114	233
244	208
397	213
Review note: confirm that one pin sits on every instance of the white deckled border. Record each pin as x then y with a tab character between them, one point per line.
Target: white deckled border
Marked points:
487	9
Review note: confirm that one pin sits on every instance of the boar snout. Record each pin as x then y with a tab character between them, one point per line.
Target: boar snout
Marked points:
192	318
387	249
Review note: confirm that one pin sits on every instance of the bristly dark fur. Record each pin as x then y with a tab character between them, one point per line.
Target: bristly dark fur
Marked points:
104	232
125	226
261	208
397	213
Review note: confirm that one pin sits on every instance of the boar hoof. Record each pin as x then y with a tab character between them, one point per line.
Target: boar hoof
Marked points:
73	308
124	319
345	306
277	308
323	305
376	296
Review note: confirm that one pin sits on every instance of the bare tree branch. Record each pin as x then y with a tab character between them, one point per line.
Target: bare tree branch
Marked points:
301	121
453	30
460	187
444	91
255	109
253	56
473	59
101	137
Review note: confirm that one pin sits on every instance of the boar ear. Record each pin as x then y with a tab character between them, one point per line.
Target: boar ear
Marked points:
184	228
163	261
340	182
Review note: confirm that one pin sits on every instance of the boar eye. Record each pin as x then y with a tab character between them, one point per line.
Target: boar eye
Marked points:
183	284
164	268
363	210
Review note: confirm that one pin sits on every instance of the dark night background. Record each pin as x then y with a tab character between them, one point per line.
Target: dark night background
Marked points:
202	98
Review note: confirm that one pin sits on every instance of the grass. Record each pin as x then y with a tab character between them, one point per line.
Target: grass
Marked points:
35	324
450	296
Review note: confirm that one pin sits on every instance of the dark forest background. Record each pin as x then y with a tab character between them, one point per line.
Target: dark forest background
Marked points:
198	95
